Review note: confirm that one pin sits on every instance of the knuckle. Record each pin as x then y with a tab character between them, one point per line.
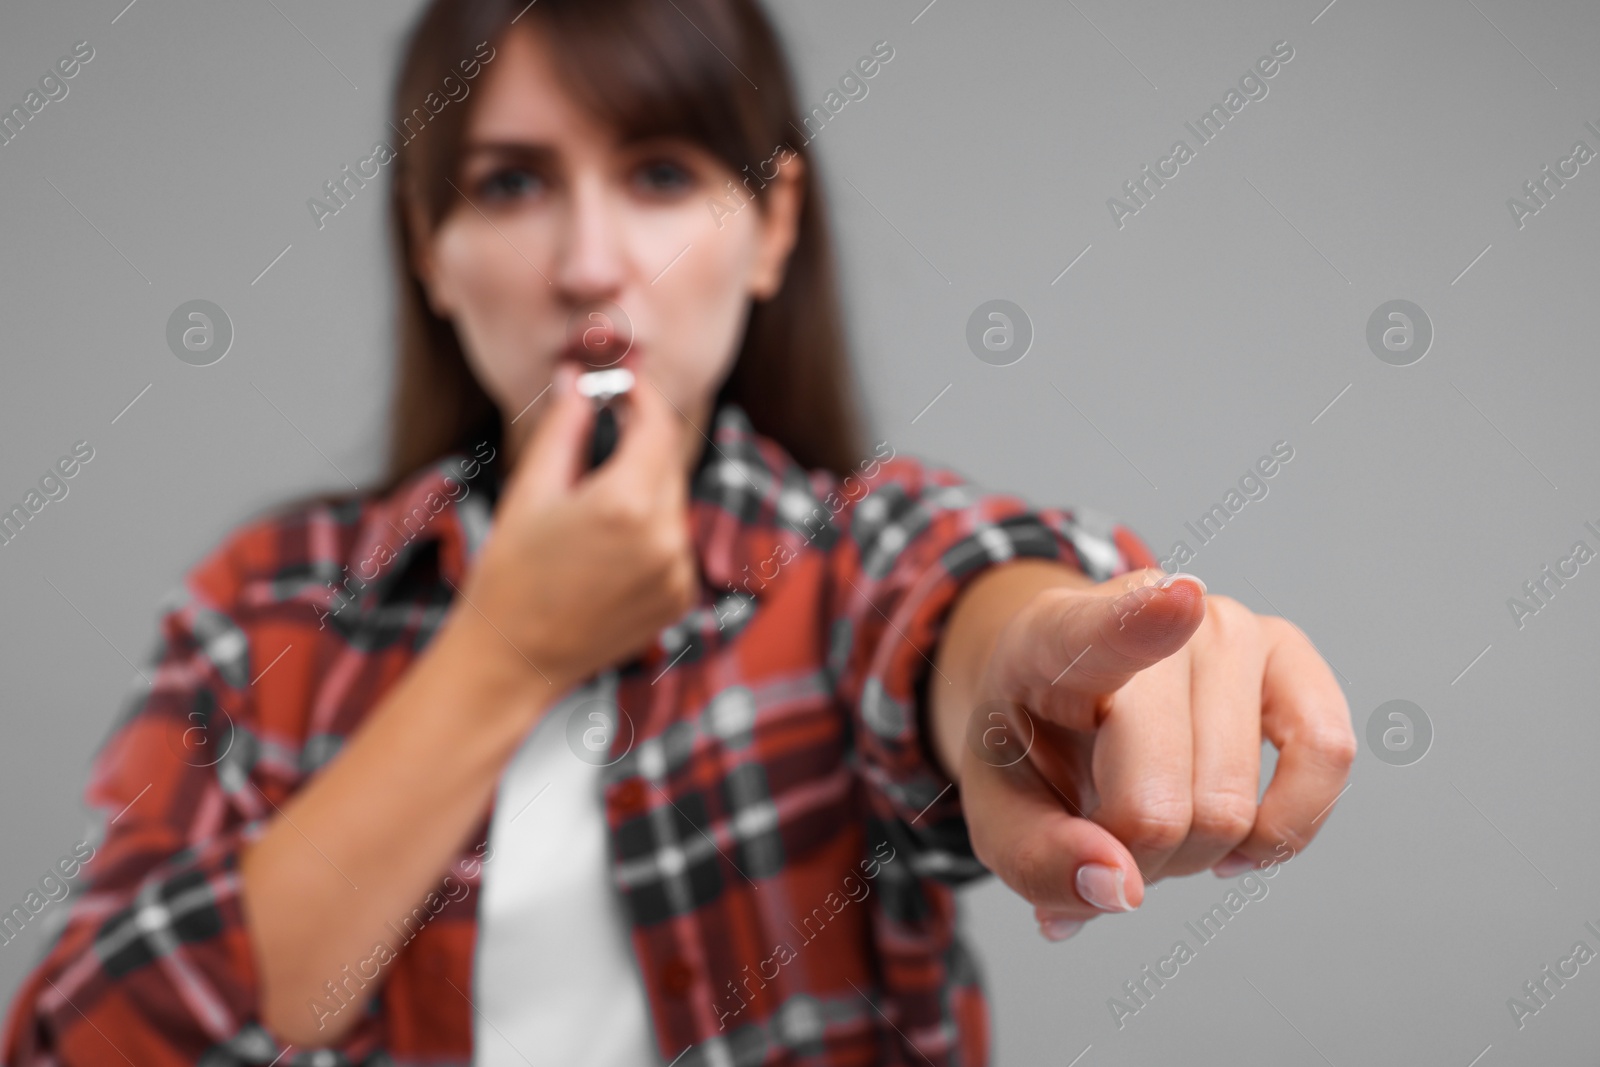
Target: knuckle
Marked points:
673	576
672	544
1224	815
635	512
627	509
1333	745
681	589
612	507
1157	823
1281	832
1280	630
1228	617
1033	866
656	554
1230	608
1283	627
981	846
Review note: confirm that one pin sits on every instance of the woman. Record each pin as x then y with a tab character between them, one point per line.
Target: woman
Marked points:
677	759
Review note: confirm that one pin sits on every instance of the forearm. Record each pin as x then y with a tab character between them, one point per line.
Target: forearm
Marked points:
373	832
979	614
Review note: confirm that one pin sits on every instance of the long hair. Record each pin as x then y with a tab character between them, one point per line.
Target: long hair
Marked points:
708	70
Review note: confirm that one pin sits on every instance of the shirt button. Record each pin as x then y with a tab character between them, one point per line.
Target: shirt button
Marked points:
676	977
630	795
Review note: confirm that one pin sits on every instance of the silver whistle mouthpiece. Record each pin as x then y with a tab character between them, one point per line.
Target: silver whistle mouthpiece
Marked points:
601	386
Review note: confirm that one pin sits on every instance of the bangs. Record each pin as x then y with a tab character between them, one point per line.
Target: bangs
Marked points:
652	69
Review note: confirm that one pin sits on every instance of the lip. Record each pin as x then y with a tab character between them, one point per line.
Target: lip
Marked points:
601	347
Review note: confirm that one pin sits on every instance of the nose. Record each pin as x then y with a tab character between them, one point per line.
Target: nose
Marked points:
592	260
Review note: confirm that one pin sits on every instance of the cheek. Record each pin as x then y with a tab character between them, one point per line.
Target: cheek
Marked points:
702	305
499	303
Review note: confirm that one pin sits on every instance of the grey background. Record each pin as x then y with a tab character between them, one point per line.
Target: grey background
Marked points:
1225	316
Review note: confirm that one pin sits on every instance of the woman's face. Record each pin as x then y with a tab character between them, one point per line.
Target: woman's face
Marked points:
557	219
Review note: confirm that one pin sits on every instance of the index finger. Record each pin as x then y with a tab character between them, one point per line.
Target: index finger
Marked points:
649	451
1092	642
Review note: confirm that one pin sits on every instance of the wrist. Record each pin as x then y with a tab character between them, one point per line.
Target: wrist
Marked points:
491	672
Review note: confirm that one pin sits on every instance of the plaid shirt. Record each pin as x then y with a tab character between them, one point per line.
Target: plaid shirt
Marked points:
783	840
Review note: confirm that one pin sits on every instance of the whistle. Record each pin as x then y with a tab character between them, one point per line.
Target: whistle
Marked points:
603	387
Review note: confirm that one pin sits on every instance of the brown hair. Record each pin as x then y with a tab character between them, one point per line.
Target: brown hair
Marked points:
691	68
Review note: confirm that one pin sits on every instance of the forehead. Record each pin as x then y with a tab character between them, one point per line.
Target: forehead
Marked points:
522	97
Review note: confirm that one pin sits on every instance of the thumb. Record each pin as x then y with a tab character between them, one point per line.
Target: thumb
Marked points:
556	452
1092	641
1030	834
649	453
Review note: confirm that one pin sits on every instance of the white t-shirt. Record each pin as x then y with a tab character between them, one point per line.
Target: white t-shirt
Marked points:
556	981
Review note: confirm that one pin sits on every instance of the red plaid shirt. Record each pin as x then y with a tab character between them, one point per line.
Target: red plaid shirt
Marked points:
776	742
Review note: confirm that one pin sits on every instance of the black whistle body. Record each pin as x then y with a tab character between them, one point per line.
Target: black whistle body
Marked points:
603	438
604	388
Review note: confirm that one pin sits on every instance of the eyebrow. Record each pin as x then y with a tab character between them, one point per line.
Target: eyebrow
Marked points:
545	152
528	151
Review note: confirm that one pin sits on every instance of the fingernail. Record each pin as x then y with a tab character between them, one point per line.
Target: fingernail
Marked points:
1231	864
1166	583
1102	886
1060	929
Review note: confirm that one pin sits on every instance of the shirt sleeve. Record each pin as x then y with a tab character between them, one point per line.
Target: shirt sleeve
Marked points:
913	538
154	965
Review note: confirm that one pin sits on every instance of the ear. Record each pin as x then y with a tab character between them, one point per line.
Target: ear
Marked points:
780	227
422	261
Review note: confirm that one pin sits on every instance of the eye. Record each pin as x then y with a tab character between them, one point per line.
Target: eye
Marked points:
508	183
664	176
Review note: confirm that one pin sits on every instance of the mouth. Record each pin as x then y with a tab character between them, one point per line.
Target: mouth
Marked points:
600	340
